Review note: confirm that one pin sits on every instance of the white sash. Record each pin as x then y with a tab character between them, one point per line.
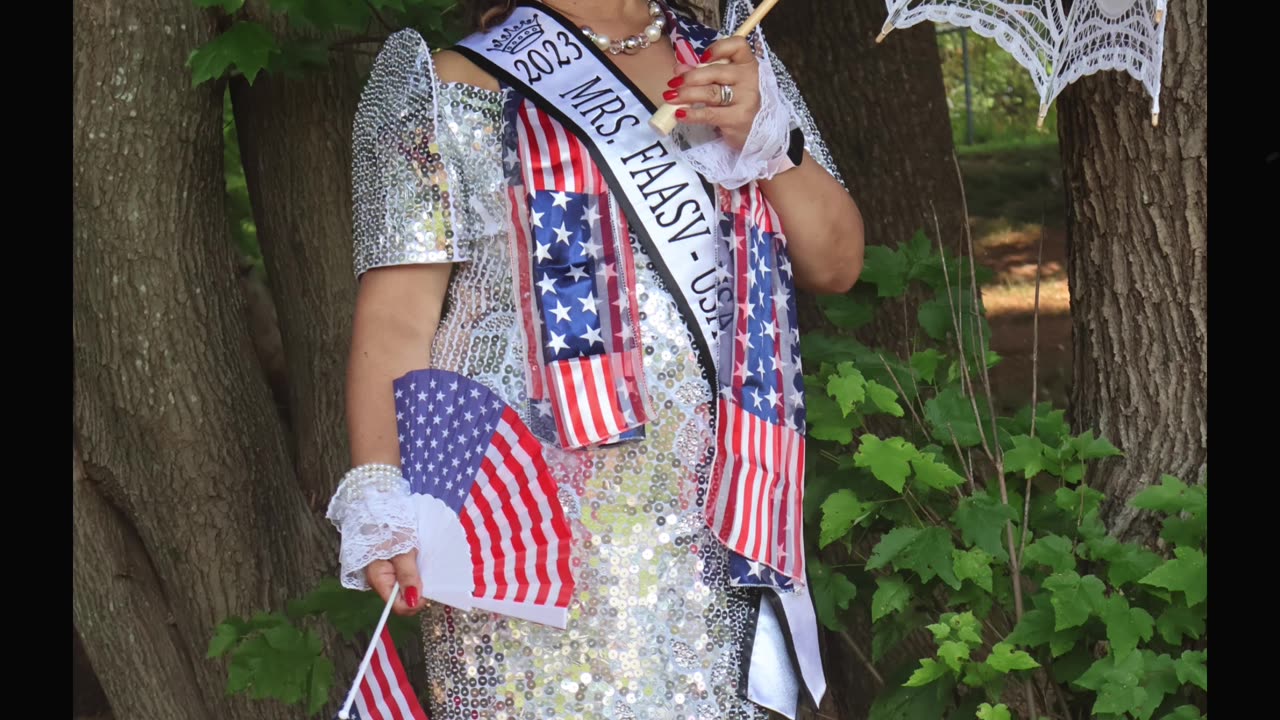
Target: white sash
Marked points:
550	62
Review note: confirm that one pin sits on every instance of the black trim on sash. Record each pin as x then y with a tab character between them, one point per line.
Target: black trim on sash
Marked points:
749	642
703	351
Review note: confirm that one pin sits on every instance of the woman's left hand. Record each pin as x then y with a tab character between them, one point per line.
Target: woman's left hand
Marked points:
694	85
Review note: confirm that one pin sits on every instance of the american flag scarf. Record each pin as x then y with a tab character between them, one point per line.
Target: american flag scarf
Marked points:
575	199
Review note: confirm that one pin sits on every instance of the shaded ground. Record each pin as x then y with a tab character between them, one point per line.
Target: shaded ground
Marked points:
1016	202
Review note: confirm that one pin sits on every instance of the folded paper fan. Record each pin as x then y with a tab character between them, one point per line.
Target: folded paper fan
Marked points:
491	531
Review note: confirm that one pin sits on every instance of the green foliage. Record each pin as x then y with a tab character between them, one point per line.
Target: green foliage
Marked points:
276	656
1004	98
247	47
946	520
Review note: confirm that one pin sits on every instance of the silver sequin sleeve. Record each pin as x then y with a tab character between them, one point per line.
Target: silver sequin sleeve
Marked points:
401	184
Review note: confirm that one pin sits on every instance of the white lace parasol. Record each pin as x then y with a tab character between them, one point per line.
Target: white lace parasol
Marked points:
1058	41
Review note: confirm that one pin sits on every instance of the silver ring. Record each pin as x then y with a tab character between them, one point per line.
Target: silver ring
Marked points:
726	95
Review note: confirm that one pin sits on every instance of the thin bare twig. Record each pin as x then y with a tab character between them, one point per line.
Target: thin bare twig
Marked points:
381	20
862	656
996	456
1035	384
903	393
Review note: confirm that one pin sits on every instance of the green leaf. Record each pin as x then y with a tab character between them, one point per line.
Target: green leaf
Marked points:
1006	659
1178	621
324	15
889	633
1089	448
826	420
846	311
886	269
848	387
246	46
974	565
892	595
998	712
1167	497
884	399
225	636
928	671
1191	668
229	5
1075	599
981	520
1053	551
926	363
1119	684
951	412
912	703
1033	630
1026	457
1188	532
1126	626
1187	572
966	627
954	653
320	682
840	512
891	546
1159	679
1184	712
888	460
934	473
832	592
929	555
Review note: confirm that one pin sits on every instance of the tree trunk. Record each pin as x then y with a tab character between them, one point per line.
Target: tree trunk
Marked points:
1137	263
190	508
295	142
88	700
882	110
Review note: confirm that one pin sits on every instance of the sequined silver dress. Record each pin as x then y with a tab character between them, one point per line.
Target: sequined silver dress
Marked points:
655	629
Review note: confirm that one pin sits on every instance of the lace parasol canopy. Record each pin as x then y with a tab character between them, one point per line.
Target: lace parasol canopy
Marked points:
1057	41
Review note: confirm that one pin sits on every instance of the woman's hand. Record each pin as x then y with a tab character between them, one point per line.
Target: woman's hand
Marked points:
694	85
383	574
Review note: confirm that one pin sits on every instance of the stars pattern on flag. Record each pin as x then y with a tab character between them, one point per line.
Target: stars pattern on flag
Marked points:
444	430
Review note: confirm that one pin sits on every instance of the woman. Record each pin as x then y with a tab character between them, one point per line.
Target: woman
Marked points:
512	203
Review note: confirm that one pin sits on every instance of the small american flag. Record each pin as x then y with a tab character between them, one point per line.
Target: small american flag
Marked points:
461	444
571	245
755	500
384	692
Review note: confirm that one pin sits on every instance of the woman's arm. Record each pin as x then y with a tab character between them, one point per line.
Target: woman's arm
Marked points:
823	227
397	313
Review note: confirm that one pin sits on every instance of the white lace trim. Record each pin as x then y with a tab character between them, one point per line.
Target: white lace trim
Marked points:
373	510
722	164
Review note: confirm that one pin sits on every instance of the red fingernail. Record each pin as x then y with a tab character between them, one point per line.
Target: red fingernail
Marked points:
676	82
671	95
411	596
681	114
706	55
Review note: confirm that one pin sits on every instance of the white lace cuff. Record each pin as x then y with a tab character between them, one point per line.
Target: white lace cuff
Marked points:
763	155
373	511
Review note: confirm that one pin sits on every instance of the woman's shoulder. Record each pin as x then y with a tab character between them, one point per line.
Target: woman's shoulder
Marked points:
454	67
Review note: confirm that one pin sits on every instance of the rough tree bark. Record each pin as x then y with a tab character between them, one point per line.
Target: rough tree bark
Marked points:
883	113
295	143
1137	263
187	508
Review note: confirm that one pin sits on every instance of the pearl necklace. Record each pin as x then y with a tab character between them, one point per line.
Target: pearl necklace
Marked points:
652	33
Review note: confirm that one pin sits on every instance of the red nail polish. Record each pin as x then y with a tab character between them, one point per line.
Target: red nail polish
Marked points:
676	82
411	596
706	55
671	95
681	114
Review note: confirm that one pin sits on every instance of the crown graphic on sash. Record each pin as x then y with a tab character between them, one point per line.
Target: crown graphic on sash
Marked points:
518	36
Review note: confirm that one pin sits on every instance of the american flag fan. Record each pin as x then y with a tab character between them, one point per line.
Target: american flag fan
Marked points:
382	690
491	531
